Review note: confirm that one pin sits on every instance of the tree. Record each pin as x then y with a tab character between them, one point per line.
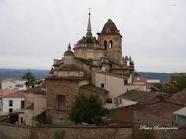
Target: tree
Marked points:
181	82
30	79
87	109
173	86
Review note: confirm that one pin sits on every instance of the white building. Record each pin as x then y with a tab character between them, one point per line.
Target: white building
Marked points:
116	85
181	116
151	82
5	92
8	84
13	84
20	84
13	102
119	103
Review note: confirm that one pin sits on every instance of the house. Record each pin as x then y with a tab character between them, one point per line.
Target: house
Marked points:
115	84
13	84
8	84
140	80
13	102
5	92
161	113
181	116
151	82
20	84
129	102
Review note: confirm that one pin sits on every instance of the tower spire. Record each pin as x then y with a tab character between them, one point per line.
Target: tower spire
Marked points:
69	47
89	33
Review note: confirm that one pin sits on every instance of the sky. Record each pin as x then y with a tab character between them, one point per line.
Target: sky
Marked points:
34	32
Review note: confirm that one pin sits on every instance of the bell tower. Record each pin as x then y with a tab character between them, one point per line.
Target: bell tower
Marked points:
111	39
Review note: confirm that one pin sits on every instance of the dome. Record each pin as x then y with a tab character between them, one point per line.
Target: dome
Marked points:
109	28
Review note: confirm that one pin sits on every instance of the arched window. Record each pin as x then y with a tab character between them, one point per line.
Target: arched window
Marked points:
105	45
110	44
108	31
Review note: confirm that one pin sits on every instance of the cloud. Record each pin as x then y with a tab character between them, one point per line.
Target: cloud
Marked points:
35	32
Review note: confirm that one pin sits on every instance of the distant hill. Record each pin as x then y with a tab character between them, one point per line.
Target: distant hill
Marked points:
154	75
18	73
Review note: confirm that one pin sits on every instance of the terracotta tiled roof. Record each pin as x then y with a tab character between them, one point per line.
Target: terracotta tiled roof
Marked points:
8	80
4	92
141	97
179	98
162	109
95	89
16	94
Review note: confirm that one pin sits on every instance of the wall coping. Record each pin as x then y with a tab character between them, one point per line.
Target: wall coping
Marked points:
74	126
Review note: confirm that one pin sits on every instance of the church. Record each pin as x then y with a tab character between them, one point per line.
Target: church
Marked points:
94	65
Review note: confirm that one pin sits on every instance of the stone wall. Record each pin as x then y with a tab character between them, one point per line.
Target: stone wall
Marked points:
179	133
115	52
88	53
68	88
16	132
9	131
85	133
34	104
150	119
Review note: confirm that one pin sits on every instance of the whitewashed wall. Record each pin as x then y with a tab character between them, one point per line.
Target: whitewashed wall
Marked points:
115	85
16	104
8	85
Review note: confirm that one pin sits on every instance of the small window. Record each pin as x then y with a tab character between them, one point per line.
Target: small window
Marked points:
21	119
22	104
10	110
111	65
108	100
108	31
110	44
102	85
105	45
10	103
172	123
61	102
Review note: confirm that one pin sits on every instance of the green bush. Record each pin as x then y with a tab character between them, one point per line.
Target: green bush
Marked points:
87	109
